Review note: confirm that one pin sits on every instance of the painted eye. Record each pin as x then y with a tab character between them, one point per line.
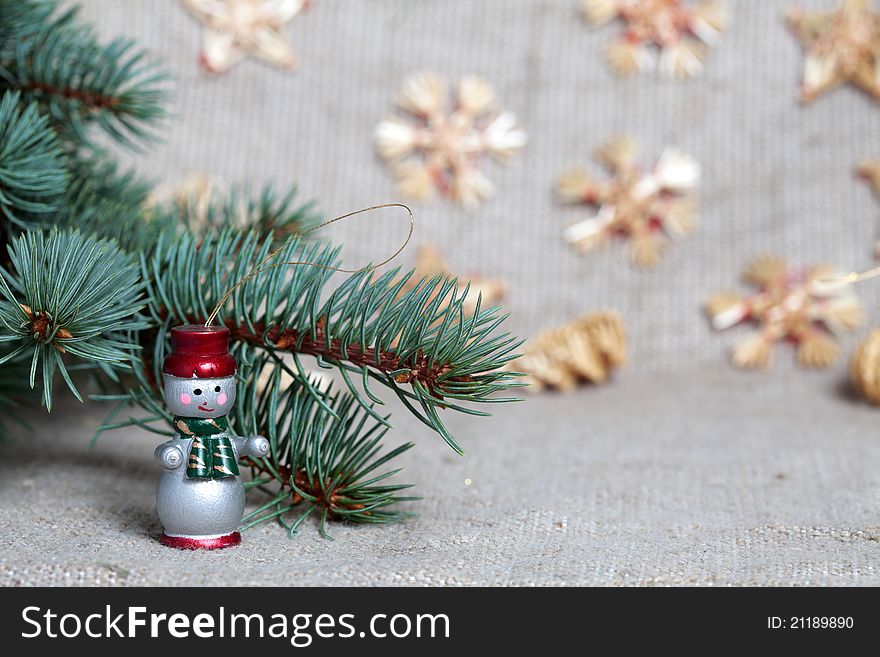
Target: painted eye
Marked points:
217	389
197	391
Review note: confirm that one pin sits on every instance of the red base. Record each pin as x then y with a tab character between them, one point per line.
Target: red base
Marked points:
185	543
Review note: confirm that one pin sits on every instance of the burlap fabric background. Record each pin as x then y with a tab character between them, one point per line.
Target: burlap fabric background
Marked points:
682	471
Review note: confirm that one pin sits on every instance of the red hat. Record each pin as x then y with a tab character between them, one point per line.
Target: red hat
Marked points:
200	351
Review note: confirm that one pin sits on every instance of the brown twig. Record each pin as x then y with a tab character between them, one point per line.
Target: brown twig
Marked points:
41	325
87	97
414	369
328	498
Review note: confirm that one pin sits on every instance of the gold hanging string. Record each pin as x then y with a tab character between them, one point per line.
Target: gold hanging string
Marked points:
835	282
262	266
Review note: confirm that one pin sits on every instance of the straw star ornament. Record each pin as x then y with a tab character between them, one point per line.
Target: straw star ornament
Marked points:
445	138
645	206
790	304
235	29
841	46
681	30
586	350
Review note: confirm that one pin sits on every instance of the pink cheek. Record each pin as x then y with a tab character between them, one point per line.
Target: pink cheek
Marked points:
185	399
222	398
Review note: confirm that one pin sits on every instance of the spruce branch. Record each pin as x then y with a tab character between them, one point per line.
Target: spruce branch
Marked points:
23	18
419	343
78	82
32	175
98	190
319	462
104	202
275	214
68	295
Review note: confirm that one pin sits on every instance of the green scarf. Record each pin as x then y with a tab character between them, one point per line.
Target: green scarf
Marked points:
209	457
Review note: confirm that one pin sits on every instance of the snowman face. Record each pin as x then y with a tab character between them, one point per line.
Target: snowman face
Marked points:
204	398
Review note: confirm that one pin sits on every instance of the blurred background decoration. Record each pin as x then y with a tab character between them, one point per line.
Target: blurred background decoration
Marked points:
450	133
865	367
680	32
775	175
840	46
788	305
235	29
586	350
646	206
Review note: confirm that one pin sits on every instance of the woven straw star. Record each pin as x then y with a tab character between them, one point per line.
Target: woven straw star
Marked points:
680	29
789	305
841	46
235	29
585	350
446	137
865	367
647	207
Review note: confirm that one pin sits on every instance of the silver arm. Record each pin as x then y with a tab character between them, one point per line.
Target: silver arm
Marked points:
255	446
169	455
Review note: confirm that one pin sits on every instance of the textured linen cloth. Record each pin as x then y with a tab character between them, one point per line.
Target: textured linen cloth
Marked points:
725	479
681	471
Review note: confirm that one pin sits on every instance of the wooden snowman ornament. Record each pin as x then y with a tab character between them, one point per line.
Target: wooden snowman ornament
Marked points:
200	500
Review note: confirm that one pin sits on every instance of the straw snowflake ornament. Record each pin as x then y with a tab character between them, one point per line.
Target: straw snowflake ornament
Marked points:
841	46
445	137
789	304
235	29
681	30
646	206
